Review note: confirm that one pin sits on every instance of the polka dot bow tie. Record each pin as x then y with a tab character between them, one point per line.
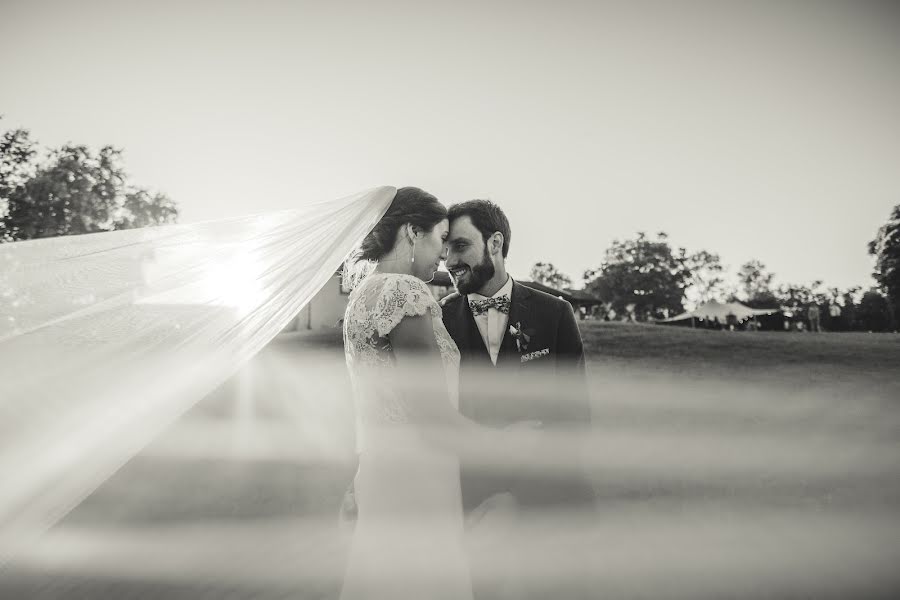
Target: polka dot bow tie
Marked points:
479	307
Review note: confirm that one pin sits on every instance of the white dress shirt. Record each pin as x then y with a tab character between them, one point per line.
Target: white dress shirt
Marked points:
492	324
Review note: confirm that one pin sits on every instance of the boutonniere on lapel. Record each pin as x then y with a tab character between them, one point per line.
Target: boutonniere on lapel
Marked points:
522	338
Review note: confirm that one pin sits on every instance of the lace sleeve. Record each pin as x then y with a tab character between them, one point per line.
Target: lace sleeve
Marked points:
402	296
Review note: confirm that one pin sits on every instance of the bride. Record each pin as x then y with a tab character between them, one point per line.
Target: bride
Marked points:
410	436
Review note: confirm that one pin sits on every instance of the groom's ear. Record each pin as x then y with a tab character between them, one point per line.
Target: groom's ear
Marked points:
495	243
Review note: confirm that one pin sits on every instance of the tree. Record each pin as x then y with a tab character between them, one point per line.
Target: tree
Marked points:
73	191
796	297
643	274
886	250
16	167
874	312
705	282
755	283
140	208
547	274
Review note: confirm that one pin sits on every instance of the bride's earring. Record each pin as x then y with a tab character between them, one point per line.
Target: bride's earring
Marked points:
412	258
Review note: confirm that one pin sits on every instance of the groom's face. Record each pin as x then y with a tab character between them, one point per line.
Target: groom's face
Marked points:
468	260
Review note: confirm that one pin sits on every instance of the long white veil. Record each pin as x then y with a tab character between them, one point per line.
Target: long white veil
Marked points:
106	338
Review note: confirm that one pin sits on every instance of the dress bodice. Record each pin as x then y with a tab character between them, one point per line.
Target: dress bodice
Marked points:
375	307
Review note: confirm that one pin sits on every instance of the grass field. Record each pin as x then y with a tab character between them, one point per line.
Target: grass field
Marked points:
856	357
726	464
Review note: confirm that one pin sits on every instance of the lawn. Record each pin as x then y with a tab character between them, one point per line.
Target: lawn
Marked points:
726	464
753	355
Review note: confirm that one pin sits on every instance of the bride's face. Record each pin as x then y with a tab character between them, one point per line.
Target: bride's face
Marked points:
431	249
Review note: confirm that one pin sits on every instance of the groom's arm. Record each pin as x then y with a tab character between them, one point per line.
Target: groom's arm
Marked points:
572	371
571	366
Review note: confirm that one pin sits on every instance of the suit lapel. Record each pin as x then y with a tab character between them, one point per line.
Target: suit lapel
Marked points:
509	355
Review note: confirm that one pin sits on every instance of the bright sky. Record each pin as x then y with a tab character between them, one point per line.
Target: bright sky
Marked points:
766	130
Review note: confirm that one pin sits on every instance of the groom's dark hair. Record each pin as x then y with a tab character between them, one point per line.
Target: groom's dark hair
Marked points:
487	217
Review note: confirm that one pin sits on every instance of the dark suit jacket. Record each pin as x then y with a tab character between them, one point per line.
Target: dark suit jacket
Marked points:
542	379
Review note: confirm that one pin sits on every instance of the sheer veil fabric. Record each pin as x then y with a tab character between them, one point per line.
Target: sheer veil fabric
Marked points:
106	338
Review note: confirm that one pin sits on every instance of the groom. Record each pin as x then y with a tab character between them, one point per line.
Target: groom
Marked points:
522	359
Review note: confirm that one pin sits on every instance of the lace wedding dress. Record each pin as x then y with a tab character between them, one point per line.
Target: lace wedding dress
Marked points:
408	536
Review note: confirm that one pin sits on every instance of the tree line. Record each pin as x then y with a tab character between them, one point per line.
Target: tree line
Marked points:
70	190
74	190
645	278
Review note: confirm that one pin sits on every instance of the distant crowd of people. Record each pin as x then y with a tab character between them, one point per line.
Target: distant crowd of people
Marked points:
811	318
814	319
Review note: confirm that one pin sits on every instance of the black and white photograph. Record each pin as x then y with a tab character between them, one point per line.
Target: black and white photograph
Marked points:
498	300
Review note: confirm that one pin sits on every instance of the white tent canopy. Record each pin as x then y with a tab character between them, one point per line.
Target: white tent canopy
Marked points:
721	310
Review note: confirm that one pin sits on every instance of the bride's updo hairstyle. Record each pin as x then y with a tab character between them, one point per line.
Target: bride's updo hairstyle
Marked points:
411	205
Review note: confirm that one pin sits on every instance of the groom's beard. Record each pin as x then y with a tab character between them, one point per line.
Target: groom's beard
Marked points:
478	275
